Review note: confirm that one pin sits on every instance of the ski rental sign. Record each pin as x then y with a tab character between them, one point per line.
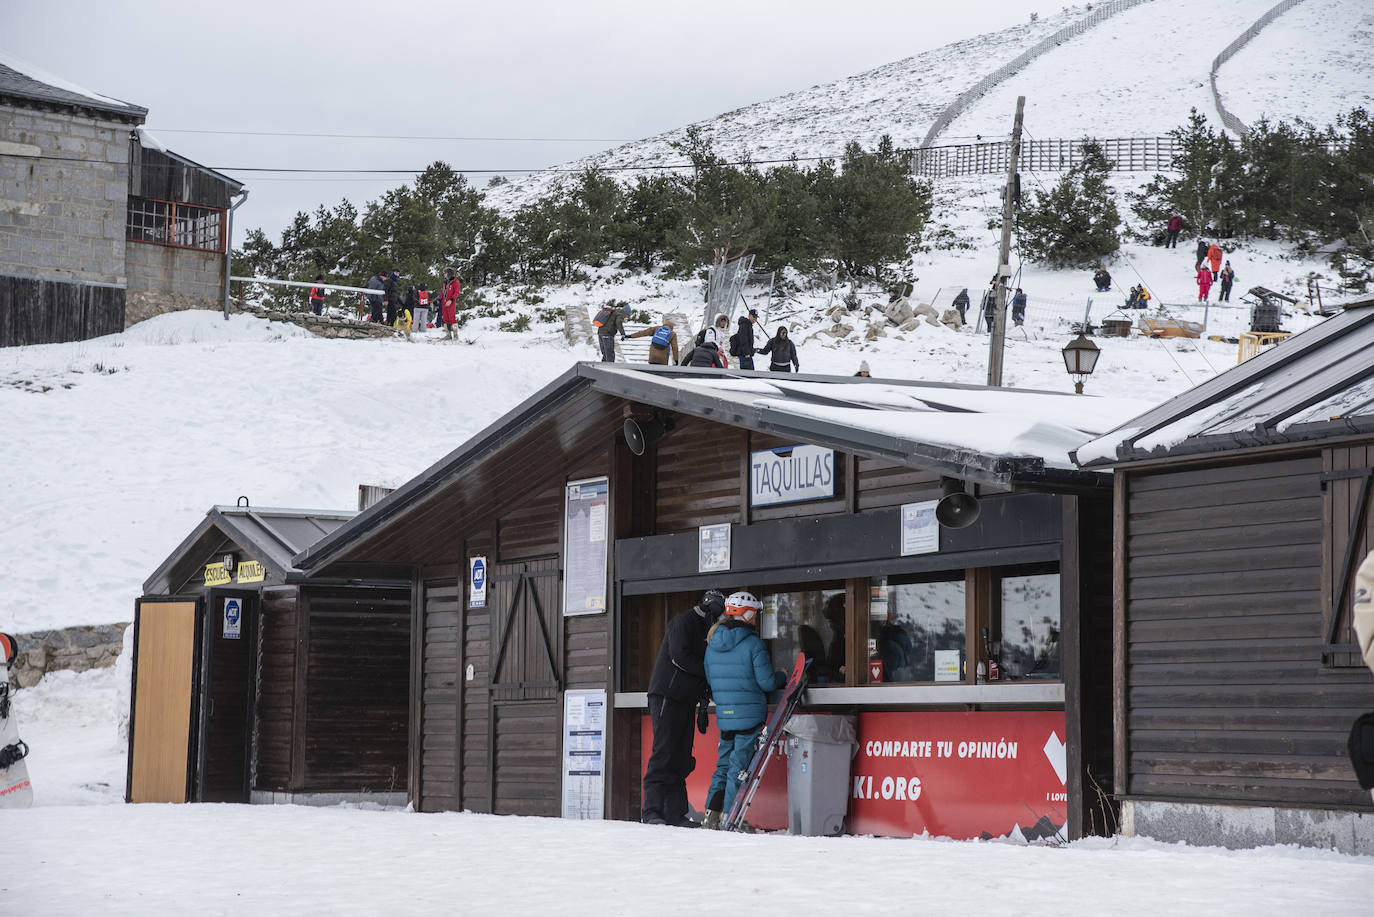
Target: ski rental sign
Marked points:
791	474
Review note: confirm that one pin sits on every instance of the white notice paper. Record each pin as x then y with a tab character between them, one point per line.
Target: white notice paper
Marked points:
920	530
584	754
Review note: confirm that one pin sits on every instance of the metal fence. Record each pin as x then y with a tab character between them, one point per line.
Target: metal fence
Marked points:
966	98
1228	118
1127	154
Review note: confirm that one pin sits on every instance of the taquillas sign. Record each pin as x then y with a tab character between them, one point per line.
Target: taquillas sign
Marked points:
791	474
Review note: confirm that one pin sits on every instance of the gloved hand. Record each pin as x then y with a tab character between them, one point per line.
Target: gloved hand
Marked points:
703	717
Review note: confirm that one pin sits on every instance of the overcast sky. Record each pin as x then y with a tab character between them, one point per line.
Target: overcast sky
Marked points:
604	70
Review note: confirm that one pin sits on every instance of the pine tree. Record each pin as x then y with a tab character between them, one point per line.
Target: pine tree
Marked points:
877	209
1206	186
1076	223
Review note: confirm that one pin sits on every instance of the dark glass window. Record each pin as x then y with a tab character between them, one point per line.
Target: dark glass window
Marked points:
810	621
1029	619
916	628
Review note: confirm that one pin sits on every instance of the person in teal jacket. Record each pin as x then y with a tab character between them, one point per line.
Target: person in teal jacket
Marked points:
741	675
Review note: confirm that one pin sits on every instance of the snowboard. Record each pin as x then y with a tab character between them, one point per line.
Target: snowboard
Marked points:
769	740
15	790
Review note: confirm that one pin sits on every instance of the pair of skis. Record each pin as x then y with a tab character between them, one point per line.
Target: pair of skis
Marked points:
15	790
769	740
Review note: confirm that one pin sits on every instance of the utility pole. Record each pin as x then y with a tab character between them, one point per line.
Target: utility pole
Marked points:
999	324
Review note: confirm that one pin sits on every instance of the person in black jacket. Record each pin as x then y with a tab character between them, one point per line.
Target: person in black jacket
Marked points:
783	353
961	302
391	297
745	338
677	685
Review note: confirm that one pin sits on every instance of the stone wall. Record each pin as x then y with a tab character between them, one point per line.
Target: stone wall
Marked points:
64	183
163	278
75	648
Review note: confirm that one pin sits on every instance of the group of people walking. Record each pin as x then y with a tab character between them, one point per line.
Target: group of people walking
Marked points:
712	347
405	312
711	651
1210	271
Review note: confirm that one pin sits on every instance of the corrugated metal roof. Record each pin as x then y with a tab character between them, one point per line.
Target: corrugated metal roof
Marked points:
1315	385
1012	437
20	85
272	536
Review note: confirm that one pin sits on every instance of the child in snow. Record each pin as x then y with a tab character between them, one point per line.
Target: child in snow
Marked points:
740	675
1204	283
449	304
1228	277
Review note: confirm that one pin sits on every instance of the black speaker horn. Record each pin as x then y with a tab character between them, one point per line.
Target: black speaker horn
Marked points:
956	509
643	432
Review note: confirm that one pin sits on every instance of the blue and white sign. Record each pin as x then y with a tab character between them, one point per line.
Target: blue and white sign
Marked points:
791	474
477	582
233	619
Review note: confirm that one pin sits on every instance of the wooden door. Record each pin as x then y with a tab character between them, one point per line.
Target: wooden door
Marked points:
525	690
435	785
160	729
228	691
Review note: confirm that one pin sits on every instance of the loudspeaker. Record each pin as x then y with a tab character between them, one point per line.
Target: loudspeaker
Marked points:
643	432
956	509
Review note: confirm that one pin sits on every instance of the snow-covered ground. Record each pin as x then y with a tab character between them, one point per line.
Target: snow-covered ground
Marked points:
1313	62
281	860
70	855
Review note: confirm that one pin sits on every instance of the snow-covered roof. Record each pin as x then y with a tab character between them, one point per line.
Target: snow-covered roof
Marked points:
1317	384
22	80
1007	437
906	418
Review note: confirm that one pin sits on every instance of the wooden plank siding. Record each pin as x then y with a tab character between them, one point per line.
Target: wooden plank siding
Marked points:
1225	696
277	689
356	696
47	311
698	480
438	707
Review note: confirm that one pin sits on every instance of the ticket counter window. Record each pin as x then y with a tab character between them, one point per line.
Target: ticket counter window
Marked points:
1030	623
916	629
810	621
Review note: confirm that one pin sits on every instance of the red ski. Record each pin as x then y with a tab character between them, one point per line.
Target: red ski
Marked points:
768	743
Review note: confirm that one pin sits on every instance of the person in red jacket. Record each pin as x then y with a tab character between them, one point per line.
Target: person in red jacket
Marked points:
317	296
450	304
1204	283
1175	227
1214	256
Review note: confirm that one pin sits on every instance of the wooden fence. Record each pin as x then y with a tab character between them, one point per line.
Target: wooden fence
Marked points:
34	311
1127	154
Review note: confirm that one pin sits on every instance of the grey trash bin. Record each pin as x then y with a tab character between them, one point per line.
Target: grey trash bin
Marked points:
819	752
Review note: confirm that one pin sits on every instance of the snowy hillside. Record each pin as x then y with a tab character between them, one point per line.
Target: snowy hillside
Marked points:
900	99
1135	74
1313	61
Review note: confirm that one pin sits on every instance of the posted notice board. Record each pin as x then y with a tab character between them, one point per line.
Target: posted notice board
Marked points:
584	546
584	754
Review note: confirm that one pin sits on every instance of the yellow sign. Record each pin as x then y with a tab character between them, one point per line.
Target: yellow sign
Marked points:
250	571
216	575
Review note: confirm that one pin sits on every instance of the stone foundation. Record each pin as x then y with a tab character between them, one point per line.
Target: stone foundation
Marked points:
74	648
139	307
1241	827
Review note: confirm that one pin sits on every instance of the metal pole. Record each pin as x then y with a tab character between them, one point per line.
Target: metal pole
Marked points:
229	249
999	326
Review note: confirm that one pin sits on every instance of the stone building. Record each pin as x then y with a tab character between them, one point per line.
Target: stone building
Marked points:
99	227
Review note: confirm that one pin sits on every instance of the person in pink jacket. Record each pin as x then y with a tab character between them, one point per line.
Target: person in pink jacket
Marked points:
1204	283
1214	256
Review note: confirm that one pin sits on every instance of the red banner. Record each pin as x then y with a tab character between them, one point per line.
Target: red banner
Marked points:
960	775
769	808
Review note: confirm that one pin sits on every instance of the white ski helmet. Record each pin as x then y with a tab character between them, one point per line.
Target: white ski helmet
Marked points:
743	605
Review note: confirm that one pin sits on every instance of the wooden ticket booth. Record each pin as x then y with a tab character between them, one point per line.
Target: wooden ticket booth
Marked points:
549	550
249	687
